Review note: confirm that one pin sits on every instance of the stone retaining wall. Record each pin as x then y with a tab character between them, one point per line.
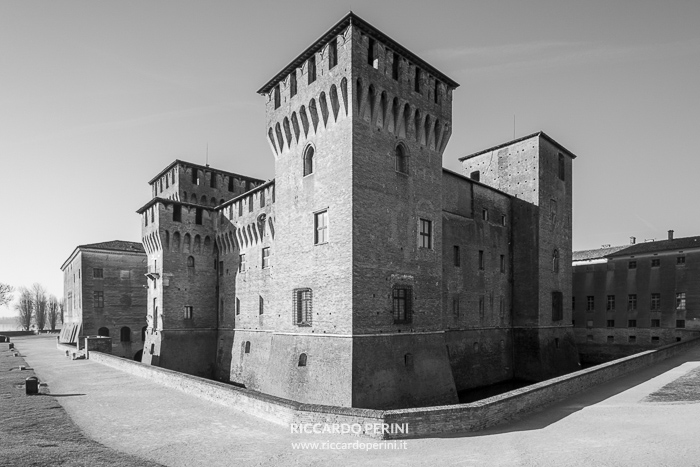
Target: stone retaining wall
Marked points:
424	421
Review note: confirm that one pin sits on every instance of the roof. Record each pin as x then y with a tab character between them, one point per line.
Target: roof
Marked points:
541	134
637	249
246	194
598	253
112	245
660	245
117	245
166	201
354	20
203	167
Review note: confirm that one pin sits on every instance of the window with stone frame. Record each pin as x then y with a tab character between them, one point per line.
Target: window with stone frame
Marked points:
97	273
610	305
655	302
402	303
425	233
632	301
321	227
680	301
590	303
302	307
98	297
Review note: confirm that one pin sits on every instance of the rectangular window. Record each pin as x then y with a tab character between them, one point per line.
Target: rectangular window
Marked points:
610	323
372	53
589	323
250	203
262	199
312	69
455	307
332	53
98	298
680	301
611	339
321	227
503	264
655	323
573	303
240	208
230	184
302	307
238	306
655	302
188	312
195	177
425	239
241	263
177	213
266	257
557	306
261	305
680	261
611	303
485	214
632	339
503	221
481	260
457	258
198	216
632	265
97	273
402	303
590	303
632	301
293	83
632	323
395	67
655	263
221	268
416	80
655	339
502	308
212	180
436	93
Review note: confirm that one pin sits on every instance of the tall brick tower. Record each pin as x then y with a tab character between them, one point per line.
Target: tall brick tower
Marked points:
537	172
357	125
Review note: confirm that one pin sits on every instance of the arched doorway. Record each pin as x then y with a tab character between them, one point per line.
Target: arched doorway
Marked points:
138	355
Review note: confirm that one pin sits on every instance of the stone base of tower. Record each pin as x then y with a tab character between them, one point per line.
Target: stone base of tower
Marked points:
543	353
480	357
191	351
400	371
308	368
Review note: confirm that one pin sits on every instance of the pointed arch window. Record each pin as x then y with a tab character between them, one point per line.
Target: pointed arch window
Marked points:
401	159
309	161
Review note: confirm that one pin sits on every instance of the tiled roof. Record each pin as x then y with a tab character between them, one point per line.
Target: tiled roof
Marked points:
637	249
541	134
598	253
118	245
661	245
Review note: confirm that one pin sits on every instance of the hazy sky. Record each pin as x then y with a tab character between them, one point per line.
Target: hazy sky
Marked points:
97	97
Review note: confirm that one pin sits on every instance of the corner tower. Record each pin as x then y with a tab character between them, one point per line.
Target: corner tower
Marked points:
357	125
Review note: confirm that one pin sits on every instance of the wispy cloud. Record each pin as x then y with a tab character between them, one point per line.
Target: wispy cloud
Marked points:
549	54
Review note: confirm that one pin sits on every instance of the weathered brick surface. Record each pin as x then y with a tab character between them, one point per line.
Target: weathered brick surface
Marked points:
124	297
597	341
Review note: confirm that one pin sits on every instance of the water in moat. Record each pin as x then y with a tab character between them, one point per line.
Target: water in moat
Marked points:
476	394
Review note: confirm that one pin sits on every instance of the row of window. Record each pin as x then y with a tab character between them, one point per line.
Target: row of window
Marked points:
655	303
124	333
656	262
632	323
630	339
242	261
457	260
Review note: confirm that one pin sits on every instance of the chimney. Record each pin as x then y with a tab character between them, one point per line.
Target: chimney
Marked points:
633	240
670	234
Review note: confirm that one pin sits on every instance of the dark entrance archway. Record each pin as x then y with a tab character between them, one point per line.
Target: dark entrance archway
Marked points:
138	355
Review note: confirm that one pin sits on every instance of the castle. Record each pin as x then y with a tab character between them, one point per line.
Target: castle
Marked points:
365	274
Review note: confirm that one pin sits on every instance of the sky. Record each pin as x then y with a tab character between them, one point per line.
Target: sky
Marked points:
97	97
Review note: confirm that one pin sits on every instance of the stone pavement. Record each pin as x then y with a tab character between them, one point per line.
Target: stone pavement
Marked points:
616	424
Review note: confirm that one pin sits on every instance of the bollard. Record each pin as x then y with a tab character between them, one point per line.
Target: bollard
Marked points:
31	385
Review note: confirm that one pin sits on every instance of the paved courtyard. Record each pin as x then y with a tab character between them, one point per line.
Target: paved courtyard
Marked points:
649	418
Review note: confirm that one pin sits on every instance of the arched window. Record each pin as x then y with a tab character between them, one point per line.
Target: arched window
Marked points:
190	266
103	332
408	361
247	347
309	161
125	334
555	261
401	159
186	244
302	360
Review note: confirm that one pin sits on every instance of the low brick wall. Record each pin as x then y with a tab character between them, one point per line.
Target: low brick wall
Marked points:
424	421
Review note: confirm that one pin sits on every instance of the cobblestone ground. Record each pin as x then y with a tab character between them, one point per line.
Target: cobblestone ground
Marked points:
629	421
